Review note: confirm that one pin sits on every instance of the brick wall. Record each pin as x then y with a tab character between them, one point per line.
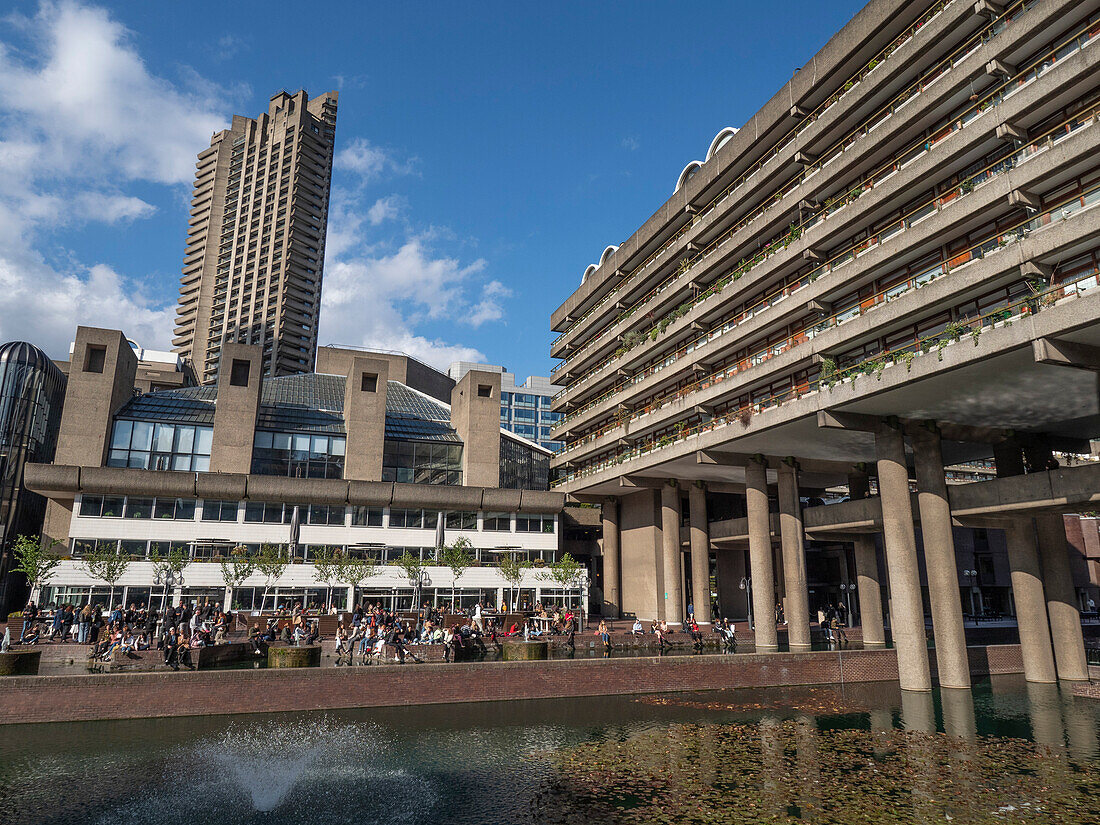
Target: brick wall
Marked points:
121	696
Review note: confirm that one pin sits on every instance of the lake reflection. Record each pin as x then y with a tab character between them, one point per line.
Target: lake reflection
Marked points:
1000	753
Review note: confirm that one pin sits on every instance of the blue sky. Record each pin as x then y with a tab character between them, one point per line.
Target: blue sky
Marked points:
486	153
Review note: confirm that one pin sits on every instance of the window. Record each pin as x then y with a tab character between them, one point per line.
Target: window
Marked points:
238	375
414	519
523	467
112	506
179	509
133	549
266	512
95	357
325	514
149	445
422	462
484	390
369	382
497	522
366	516
461	521
91	506
139	507
219	510
300	455
83	547
526	523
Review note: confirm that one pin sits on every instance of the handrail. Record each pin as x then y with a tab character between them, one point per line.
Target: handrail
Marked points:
955	124
1020	308
996	25
938	202
946	265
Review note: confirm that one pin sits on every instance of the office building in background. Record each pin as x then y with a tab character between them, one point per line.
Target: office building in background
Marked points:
524	408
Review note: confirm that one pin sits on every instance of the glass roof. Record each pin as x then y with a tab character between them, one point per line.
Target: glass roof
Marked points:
301	403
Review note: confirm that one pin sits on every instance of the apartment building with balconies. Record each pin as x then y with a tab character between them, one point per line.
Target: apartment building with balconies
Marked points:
891	267
254	259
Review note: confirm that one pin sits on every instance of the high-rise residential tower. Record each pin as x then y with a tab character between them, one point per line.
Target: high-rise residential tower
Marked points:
256	238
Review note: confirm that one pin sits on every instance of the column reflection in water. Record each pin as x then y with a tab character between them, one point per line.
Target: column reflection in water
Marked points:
771	761
1081	729
809	764
918	716
958	714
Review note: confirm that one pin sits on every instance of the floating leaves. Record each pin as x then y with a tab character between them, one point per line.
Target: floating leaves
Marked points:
792	772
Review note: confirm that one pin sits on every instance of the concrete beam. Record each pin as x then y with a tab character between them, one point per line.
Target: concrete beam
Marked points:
1009	131
1059	353
998	67
641	483
1022	197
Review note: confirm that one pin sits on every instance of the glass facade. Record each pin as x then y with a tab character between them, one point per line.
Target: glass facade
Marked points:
422	462
299	455
149	445
523	467
528	414
32	389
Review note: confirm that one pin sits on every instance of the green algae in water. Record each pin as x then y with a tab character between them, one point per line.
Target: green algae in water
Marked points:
792	772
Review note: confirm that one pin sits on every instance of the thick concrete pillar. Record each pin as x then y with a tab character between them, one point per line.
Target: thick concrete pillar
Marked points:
907	611
700	552
612	603
797	608
761	571
939	562
673	596
869	592
1065	620
1031	605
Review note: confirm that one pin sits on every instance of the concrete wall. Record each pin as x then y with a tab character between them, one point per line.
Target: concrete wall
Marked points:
475	416
365	418
236	409
402	368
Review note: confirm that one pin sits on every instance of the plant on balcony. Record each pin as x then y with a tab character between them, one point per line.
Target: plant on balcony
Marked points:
827	372
966	187
953	330
908	357
745	416
34	561
975	334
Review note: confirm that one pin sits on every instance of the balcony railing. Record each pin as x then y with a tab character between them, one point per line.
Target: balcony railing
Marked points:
932	74
918	213
1039	67
921	345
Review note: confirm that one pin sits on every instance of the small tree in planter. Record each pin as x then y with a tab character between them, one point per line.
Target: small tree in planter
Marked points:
168	569
458	558
108	565
326	569
566	573
271	561
511	570
237	568
34	561
354	571
414	571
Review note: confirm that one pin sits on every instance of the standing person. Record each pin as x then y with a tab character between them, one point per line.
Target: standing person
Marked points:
30	618
838	629
84	624
342	644
842	613
779	612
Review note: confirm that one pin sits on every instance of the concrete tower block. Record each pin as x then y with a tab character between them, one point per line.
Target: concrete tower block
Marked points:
101	380
239	382
475	415
365	418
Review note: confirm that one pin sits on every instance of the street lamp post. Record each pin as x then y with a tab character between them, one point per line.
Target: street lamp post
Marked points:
746	585
848	589
971	577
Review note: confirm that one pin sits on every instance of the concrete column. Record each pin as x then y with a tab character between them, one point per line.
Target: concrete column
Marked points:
700	553
1065	620
673	600
939	561
869	592
761	571
907	611
612	603
797	607
1031	605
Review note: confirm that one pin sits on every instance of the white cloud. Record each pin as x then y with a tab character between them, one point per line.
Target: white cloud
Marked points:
373	300
385	209
370	162
631	143
81	119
